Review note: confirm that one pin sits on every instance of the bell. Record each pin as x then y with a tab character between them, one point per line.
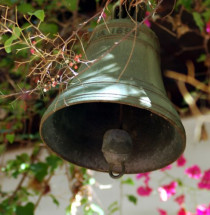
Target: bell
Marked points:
115	116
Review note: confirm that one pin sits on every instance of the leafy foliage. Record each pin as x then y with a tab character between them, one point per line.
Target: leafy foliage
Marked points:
132	199
27	209
198	20
39	14
128	181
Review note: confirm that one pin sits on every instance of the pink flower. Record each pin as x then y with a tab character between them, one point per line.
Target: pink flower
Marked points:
104	15
144	175
182	212
202	210
162	212
147	22
141	175
181	161
205	181
144	191
32	51
166	168
208	27
167	191
180	199
194	172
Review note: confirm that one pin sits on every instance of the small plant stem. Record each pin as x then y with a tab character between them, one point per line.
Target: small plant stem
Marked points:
43	192
121	198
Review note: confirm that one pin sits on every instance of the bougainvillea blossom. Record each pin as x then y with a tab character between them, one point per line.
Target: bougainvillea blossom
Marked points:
162	212
181	161
145	176
166	168
147	22
202	210
144	191
180	199
205	181
141	175
32	51
182	212
208	27
167	191
194	172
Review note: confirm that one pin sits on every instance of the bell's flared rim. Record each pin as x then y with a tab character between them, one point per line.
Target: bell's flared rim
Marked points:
180	130
84	98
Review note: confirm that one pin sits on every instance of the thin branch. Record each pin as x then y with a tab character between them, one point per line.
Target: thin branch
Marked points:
46	183
188	79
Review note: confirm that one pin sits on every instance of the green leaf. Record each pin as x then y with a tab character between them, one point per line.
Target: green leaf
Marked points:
97	209
6	207
84	201
39	170
23	157
71	4
25	210
25	8
23	194
16	32
198	20
180	183
112	205
53	161
128	181
7	45
48	28
55	201
201	58
21	51
39	2
206	15
91	181
10	138
113	208
36	150
39	14
186	3
2	148
68	210
6	2
206	2
132	199
18	165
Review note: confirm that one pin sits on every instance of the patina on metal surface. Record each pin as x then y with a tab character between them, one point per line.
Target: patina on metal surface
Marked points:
102	98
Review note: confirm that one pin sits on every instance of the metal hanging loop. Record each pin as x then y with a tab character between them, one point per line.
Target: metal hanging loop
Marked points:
119	174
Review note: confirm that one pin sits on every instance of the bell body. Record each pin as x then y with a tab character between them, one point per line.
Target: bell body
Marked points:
121	89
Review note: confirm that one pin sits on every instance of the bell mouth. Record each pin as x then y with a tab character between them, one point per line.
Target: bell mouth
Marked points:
76	134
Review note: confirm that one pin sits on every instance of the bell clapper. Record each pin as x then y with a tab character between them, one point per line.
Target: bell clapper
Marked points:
117	147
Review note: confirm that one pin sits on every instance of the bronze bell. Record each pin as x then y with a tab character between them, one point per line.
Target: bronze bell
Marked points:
115	116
